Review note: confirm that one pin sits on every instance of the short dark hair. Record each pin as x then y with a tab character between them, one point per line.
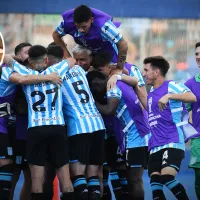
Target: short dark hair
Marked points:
197	45
51	44
55	50
20	46
98	89
158	62
37	51
101	59
82	14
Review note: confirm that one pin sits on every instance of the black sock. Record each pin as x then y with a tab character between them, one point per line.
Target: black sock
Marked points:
106	189
176	188
6	174
116	186
67	196
80	187
124	183
37	196
94	188
157	187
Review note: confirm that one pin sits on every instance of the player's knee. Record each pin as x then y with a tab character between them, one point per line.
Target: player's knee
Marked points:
92	170
4	162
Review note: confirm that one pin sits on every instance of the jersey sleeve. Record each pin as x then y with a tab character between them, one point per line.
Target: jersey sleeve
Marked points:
177	88
110	32
114	93
61	68
135	72
6	72
60	29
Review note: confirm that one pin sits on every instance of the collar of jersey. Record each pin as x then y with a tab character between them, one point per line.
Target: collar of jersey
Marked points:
197	77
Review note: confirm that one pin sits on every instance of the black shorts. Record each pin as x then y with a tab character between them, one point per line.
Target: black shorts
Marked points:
87	148
114	156
137	157
19	151
47	141
6	150
168	157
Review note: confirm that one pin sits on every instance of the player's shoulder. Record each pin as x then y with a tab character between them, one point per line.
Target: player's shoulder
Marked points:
189	81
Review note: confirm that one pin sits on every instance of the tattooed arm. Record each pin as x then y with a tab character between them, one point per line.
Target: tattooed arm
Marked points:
122	52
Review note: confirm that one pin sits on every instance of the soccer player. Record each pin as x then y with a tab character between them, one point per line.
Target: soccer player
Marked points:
166	145
8	91
19	140
124	104
102	64
46	131
86	134
7	95
94	30
193	84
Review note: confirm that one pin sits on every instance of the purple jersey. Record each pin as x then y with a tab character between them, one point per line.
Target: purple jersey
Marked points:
166	125
95	39
194	84
132	117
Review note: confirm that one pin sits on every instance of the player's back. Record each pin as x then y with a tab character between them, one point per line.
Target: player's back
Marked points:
79	107
44	99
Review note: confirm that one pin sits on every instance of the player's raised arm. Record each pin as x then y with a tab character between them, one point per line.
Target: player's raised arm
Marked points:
57	37
122	53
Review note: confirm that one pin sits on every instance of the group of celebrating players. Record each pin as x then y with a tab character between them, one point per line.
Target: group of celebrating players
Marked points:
88	118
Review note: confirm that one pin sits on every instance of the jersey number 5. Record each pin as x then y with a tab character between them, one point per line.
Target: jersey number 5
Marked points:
36	106
81	91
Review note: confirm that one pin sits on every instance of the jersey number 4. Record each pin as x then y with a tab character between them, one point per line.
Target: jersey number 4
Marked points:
36	106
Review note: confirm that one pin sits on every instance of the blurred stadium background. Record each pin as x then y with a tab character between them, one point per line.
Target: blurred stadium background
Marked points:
168	28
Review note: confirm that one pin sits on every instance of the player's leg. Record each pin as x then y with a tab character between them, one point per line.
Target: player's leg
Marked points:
22	165
154	171
106	189
123	181
25	193
171	161
96	150
6	166
195	163
59	158
113	154
197	182
79	156
50	174
37	138
11	126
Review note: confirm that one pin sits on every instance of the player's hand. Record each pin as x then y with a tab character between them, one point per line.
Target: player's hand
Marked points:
112	82
162	103
55	79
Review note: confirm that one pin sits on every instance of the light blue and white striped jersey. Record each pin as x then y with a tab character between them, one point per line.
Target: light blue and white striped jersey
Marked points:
79	109
7	95
176	108
44	99
133	137
135	72
6	88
